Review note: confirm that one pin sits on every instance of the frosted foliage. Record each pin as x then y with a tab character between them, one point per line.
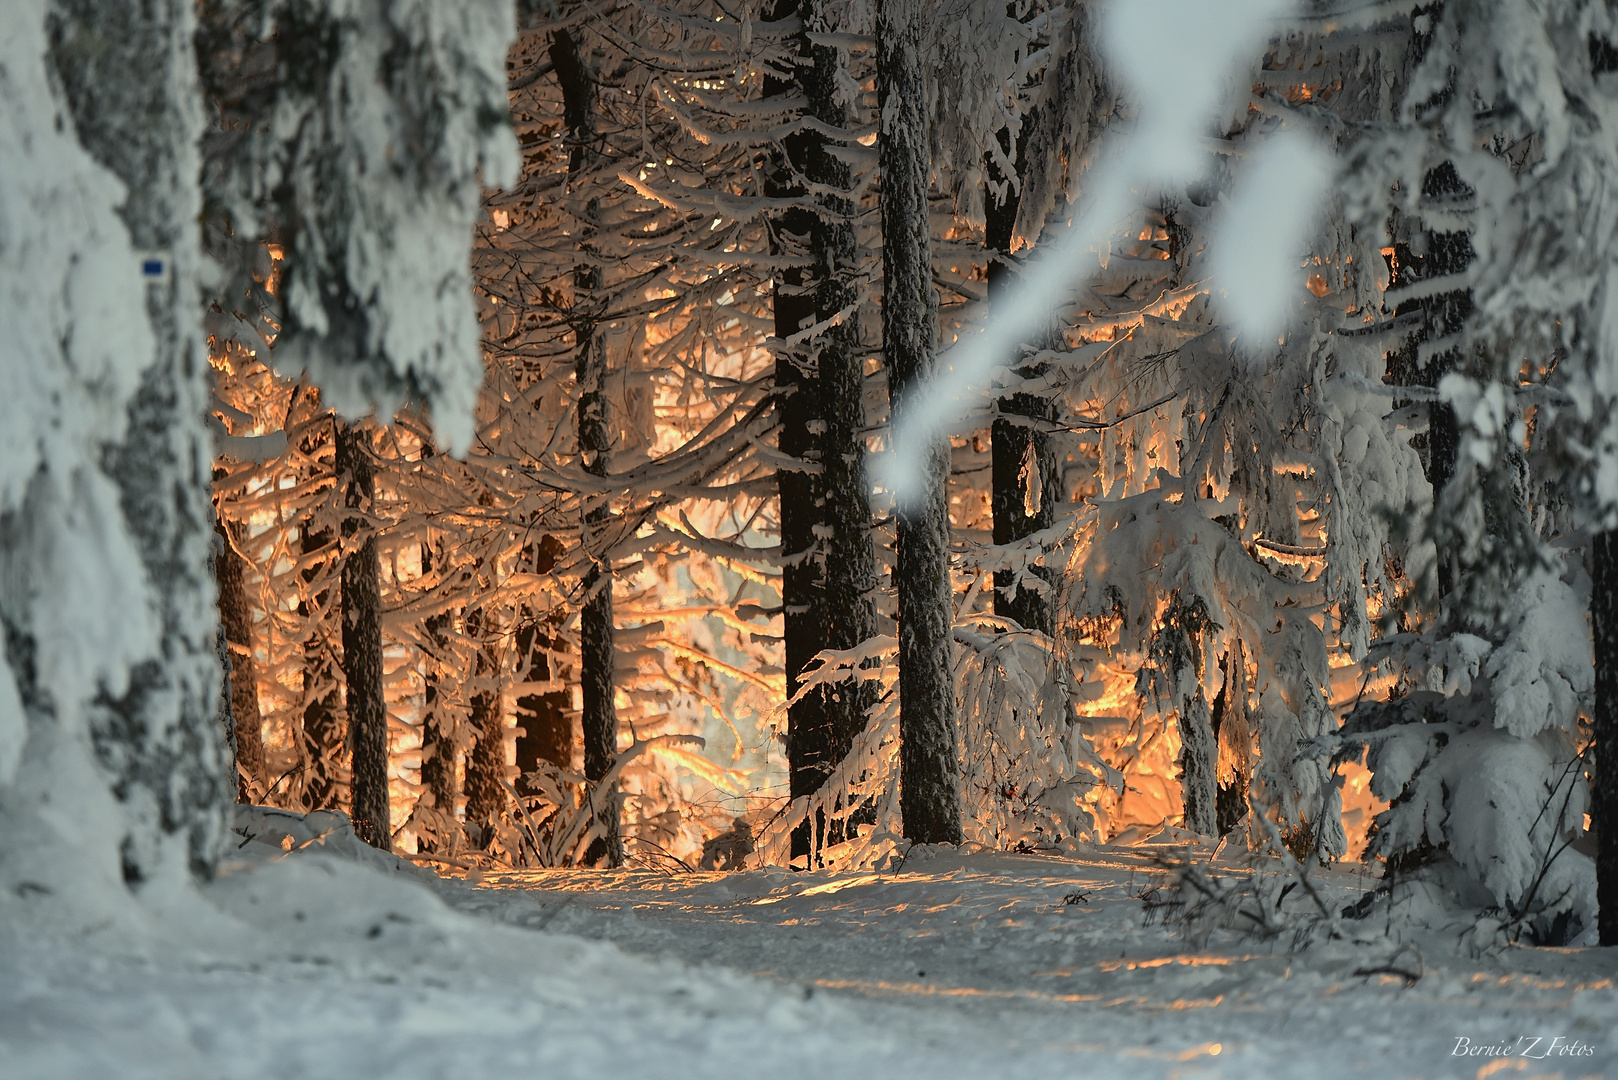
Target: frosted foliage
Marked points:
1029	776
75	339
978	57
385	146
1499	802
1544	670
1258	246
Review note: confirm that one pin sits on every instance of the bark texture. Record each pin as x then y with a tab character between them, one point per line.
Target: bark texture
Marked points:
322	735
928	758
236	621
597	655
437	743
1199	753
486	795
362	640
1604	783
1025	472
127	72
543	714
830	563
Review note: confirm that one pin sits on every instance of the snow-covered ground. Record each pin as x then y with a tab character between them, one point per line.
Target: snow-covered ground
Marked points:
317	964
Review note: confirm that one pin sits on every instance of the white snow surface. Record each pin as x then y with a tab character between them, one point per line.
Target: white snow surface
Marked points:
330	961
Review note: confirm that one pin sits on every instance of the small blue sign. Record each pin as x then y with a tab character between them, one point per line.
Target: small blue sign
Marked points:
152	267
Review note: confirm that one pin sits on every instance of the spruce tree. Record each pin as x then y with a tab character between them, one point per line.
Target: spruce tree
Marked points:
362	640
828	562
929	769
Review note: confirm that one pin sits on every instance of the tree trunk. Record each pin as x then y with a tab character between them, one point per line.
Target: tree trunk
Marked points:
1447	253
437	747
1199	754
929	769
126	70
362	641
1604	785
597	655
830	564
546	728
236	621
321	735
1025	472
486	795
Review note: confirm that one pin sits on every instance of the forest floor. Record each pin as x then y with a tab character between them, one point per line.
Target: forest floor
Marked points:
313	964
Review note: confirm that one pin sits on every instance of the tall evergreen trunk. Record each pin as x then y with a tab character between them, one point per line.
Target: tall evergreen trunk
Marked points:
486	795
1447	253
437	773
829	571
597	656
236	622
437	747
362	640
928	765
1604	783
321	735
1025	473
1199	754
126	69
543	716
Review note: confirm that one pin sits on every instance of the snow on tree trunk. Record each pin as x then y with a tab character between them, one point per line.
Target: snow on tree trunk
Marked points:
127	72
597	655
236	621
829	568
362	640
1026	475
929	770
1604	785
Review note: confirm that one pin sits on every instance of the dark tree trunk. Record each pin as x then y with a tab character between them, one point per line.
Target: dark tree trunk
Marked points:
546	728
322	734
929	769
125	69
830	563
1025	472
1604	784
236	622
1447	253
437	747
486	795
597	656
362	640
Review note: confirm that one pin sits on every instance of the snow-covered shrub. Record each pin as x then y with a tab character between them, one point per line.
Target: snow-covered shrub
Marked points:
1480	758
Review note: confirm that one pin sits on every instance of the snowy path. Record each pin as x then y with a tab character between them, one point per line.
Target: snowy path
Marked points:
960	966
1024	953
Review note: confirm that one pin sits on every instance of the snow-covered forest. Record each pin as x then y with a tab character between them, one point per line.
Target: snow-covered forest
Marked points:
864	507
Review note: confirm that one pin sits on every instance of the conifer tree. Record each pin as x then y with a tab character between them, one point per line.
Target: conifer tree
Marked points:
362	641
929	771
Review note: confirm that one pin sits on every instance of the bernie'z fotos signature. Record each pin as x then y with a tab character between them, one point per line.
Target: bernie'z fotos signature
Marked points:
1525	1046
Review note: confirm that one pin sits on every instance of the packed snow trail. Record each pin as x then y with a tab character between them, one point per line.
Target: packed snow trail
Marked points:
1026	953
342	963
